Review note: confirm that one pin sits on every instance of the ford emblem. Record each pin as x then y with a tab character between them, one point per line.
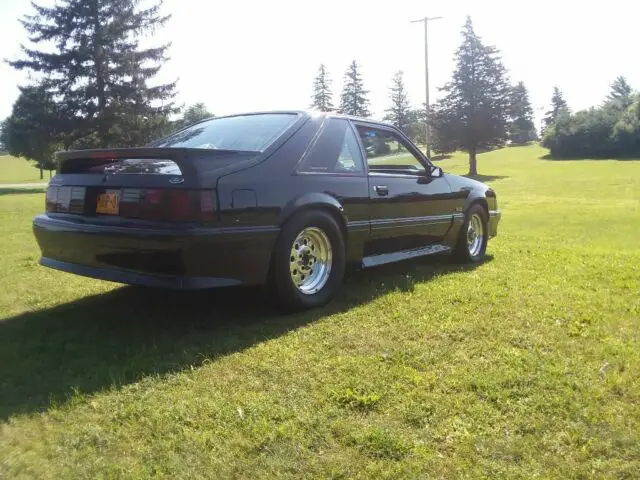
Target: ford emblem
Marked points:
176	180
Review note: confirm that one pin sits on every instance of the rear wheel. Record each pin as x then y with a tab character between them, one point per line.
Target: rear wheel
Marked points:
472	240
309	260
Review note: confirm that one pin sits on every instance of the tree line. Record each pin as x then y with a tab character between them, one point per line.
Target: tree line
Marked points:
95	88
479	108
611	130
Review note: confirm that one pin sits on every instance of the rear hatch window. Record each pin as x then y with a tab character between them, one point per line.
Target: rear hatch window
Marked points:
252	133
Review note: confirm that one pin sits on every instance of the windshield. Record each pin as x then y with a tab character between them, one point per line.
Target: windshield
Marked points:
243	132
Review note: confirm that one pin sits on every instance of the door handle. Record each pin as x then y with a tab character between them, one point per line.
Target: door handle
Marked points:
381	190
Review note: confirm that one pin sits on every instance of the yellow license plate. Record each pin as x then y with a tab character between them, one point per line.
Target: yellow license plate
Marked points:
108	203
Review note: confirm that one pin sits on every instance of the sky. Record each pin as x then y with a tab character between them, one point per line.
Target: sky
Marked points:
249	55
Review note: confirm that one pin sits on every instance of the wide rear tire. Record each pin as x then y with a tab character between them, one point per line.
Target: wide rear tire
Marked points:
308	262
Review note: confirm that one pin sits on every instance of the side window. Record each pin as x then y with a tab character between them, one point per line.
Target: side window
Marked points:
336	151
350	158
386	151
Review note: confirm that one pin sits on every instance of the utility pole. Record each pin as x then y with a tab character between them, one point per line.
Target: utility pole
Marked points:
426	20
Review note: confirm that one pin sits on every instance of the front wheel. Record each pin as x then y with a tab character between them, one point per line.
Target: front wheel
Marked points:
309	260
473	237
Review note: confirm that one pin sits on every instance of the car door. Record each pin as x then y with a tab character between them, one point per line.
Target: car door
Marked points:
409	207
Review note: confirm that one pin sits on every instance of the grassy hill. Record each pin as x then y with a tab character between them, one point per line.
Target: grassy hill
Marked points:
526	366
19	170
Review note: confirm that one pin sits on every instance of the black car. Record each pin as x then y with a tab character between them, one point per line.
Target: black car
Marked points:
284	198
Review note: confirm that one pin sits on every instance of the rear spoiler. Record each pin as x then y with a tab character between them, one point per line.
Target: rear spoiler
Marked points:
183	157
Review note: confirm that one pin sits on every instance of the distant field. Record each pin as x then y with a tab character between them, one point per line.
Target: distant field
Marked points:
19	170
526	366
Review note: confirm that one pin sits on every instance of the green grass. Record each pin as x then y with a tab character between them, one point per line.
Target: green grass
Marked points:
19	170
524	367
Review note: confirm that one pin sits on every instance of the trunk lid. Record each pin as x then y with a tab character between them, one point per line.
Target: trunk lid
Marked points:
155	184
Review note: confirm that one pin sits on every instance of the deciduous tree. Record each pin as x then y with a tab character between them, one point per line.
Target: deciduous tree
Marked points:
31	129
193	114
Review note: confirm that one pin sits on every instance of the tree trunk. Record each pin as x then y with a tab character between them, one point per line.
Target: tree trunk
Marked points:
49	174
100	72
41	172
473	165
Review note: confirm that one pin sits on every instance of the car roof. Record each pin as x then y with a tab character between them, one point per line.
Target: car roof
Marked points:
308	113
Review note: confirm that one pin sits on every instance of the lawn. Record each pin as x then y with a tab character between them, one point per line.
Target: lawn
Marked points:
524	367
19	170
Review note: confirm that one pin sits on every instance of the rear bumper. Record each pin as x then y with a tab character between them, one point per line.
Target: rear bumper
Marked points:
133	278
494	219
156	256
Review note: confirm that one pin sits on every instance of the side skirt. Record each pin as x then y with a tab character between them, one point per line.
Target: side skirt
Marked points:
375	260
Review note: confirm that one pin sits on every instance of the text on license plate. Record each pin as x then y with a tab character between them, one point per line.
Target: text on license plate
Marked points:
108	203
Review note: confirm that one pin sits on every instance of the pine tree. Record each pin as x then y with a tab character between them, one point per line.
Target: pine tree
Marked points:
321	97
353	100
558	107
521	127
473	113
398	112
621	94
98	72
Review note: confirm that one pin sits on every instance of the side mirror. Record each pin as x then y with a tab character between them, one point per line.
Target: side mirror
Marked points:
436	172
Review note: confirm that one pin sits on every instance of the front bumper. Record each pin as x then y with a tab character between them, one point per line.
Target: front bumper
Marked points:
156	255
494	218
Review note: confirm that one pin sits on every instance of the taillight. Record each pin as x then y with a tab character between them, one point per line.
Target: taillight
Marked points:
174	205
207	206
182	205
52	196
65	199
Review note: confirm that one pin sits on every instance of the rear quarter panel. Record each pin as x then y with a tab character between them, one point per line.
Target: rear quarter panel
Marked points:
280	191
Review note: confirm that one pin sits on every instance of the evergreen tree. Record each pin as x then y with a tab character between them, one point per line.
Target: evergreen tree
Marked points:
98	72
31	129
353	100
473	113
558	107
521	127
398	112
321	97
621	94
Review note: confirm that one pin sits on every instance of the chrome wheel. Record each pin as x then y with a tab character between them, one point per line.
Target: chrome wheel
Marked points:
475	235
310	260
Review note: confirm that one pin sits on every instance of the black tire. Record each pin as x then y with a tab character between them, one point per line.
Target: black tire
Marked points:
463	252
287	294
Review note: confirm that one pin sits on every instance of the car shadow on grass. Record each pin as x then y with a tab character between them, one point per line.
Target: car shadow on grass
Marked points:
437	158
486	178
21	190
119	337
556	158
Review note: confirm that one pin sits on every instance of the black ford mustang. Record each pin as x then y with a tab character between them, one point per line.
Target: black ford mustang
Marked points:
285	198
